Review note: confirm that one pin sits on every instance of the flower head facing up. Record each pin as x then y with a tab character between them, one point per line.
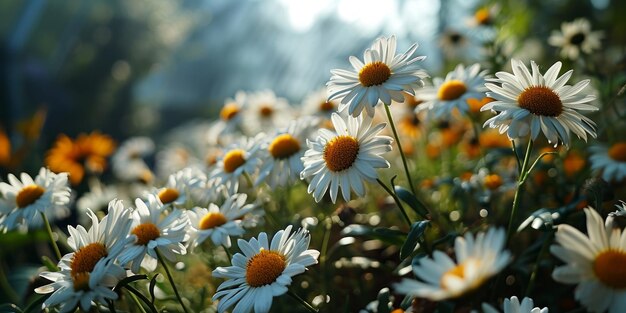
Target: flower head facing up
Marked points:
87	153
264	270
576	38
478	259
609	161
345	157
596	262
218	222
181	187
154	229
23	200
281	163
528	103
240	158
382	76
513	305
453	92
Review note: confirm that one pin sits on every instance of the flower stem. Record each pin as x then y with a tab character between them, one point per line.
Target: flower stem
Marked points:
169	276
309	307
57	252
397	200
142	297
520	189
395	135
230	256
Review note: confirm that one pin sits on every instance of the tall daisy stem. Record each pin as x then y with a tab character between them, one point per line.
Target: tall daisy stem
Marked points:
230	256
169	277
302	301
397	200
395	135
520	189
57	252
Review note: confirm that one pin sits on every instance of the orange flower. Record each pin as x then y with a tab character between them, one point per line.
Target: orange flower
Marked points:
5	149
87	152
410	125
491	138
573	163
476	104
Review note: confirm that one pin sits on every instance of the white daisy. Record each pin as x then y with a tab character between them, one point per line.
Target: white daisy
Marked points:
23	201
345	157
265	112
281	158
88	273
263	271
128	161
383	76
231	117
610	161
240	158
70	289
96	199
218	223
181	187
453	91
153	230
575	38
514	306
174	158
476	261
597	263
529	103
317	104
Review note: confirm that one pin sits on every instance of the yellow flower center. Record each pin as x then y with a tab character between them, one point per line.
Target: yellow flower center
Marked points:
233	160
81	281
168	195
398	311
327	106
264	268
617	152
145	232
451	90
28	195
493	181
610	268
229	111
458	272
374	73
573	163
482	16
284	146
212	220
266	111
340	153
84	260
540	100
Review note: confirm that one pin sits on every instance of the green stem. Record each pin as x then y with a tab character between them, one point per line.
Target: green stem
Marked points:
395	198
537	161
395	135
169	277
57	252
533	276
142	297
309	307
519	163
248	179
230	256
519	191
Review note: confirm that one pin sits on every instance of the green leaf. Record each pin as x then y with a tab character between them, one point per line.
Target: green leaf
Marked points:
390	236
417	231
153	282
383	301
410	199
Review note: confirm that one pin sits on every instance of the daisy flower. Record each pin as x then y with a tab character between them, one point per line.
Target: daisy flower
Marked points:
240	158
87	153
128	161
575	38
317	104
153	230
595	262
476	261
610	161
181	186
382	76
88	273
453	92
529	103
265	112
281	163
218	223
345	157
264	270
513	305
70	289
231	117
23	200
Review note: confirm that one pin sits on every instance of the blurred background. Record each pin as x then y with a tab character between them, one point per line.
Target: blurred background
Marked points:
145	66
